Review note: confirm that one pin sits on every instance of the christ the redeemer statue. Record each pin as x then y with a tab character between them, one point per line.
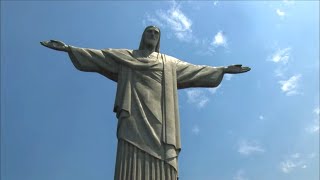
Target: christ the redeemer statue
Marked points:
146	102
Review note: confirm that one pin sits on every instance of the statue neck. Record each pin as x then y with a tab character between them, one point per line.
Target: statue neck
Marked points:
147	51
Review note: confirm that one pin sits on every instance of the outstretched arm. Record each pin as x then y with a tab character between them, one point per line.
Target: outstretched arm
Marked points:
189	75
88	60
56	45
236	69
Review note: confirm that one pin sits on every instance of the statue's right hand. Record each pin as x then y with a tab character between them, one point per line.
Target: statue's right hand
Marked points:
56	45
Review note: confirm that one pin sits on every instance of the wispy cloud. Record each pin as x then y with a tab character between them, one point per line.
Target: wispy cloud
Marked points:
219	39
174	19
198	97
290	86
281	56
288	2
214	90
240	175
154	20
314	126
261	117
292	162
249	147
288	165
312	155
283	8
180	26
296	155
228	77
280	13
316	110
195	130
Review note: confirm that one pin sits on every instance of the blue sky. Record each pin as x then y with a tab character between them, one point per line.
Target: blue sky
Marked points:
57	122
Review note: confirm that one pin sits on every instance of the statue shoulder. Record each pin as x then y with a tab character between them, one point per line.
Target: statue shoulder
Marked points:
118	50
171	58
127	52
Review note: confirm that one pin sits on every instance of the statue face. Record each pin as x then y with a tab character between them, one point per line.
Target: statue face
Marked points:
151	37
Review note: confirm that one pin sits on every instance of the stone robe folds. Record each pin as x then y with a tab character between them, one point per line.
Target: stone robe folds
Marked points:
146	103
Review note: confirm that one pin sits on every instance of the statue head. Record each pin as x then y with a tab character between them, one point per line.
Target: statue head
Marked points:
150	38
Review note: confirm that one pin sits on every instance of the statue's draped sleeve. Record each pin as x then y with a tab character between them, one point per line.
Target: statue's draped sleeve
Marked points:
189	75
92	60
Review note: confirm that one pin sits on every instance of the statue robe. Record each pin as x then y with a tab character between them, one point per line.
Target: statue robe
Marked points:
146	102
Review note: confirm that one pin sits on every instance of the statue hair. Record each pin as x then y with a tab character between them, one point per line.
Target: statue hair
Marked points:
142	44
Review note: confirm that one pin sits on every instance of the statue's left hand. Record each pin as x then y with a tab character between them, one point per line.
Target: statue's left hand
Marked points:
56	45
235	69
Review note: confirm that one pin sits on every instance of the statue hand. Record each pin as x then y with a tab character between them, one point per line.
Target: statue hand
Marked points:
56	45
235	69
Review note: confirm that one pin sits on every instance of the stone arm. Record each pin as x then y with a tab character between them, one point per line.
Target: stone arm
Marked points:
189	75
88	60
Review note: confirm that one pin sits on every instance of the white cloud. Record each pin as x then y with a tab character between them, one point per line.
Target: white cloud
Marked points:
312	155
180	26
281	56
261	117
228	76
214	90
154	21
248	148
314	127
295	155
316	111
288	2
195	130
175	20
287	166
220	40
198	97
284	8
240	175
290	86
280	13
294	161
